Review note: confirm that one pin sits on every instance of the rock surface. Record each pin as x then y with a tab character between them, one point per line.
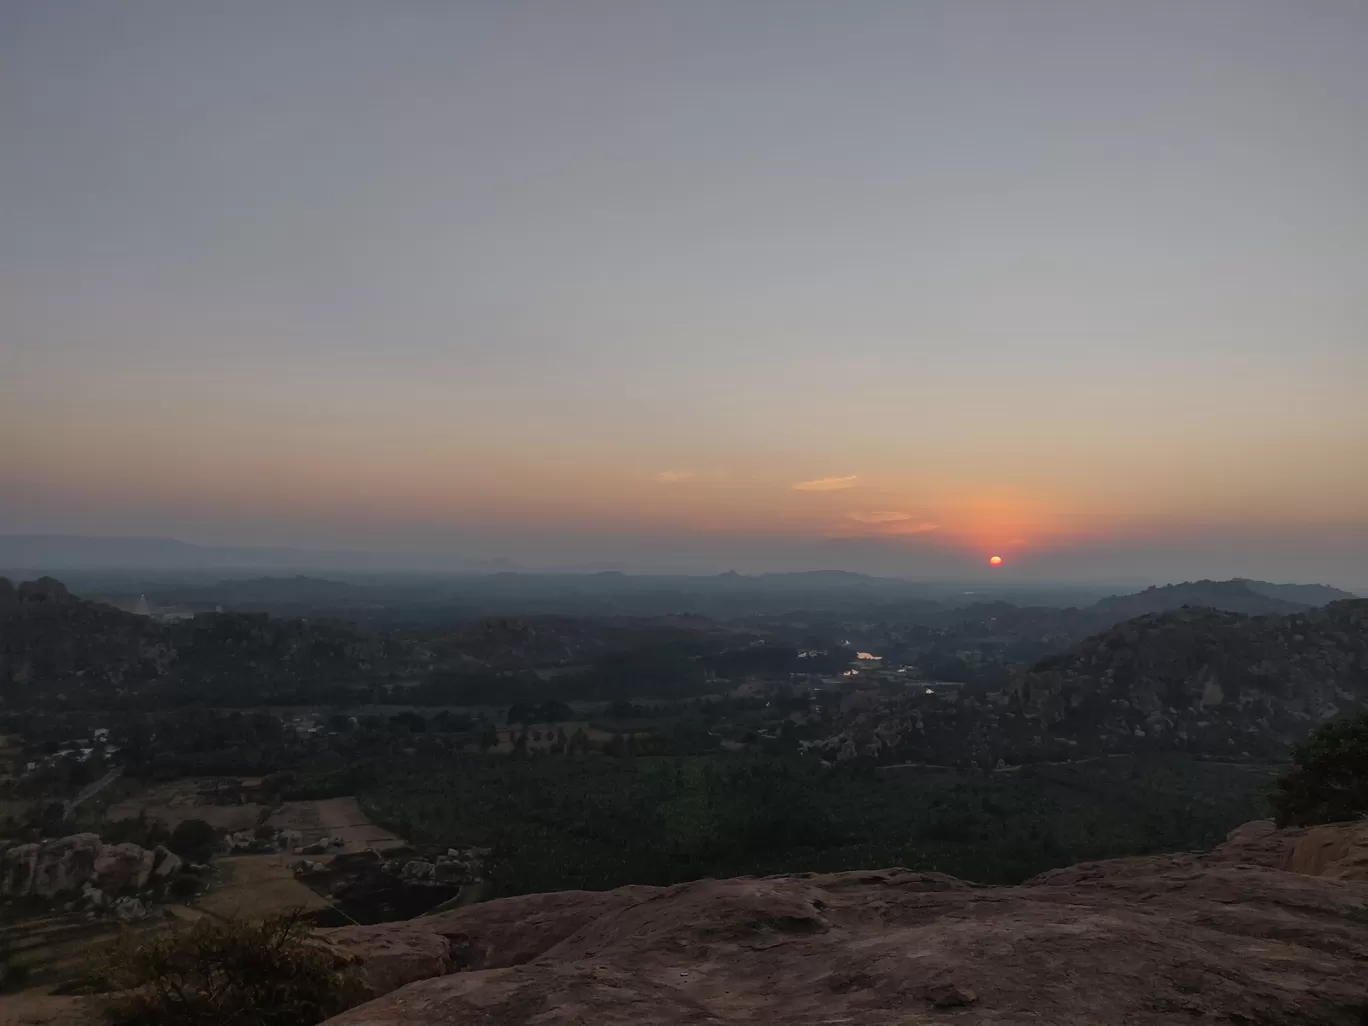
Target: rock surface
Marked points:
122	865
167	862
1339	852
491	935
1232	935
80	862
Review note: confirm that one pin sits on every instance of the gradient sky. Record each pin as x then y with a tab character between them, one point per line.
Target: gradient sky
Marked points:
885	285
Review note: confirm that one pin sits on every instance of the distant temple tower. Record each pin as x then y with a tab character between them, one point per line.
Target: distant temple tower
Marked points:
142	608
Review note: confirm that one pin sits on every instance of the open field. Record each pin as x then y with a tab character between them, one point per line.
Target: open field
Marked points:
333	817
256	886
172	803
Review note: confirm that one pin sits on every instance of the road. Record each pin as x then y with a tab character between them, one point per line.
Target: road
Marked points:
91	790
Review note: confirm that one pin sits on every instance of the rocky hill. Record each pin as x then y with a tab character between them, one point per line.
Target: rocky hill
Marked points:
1213	683
1303	594
1254	598
49	635
1270	928
1202	680
54	644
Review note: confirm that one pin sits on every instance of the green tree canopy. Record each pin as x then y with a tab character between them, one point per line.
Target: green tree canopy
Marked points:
1329	779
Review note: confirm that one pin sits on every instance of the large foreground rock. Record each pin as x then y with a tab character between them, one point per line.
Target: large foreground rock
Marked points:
1230	936
491	935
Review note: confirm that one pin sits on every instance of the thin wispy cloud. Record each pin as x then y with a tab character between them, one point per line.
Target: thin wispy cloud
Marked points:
916	527
897	522
827	484
877	517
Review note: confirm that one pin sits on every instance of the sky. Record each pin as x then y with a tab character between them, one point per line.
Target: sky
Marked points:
888	286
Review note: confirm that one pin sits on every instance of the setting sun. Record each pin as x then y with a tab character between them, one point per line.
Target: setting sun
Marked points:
995	561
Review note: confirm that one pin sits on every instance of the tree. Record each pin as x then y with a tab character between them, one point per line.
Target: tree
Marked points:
1328	781
552	711
193	839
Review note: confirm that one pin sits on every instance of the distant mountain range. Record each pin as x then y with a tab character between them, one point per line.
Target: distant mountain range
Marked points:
55	553
30	555
59	552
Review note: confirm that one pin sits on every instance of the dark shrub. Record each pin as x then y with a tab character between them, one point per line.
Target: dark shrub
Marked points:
194	839
1329	781
231	974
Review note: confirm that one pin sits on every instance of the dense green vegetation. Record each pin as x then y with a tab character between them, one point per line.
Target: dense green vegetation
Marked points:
557	822
1328	781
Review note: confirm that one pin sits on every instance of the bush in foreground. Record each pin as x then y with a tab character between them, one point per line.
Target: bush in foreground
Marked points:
231	974
1328	782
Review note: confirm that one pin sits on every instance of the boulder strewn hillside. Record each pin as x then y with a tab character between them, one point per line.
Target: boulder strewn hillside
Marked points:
1233	935
1203	680
49	636
1194	680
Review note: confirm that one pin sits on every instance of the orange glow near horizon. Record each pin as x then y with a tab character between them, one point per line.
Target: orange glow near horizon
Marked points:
368	480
